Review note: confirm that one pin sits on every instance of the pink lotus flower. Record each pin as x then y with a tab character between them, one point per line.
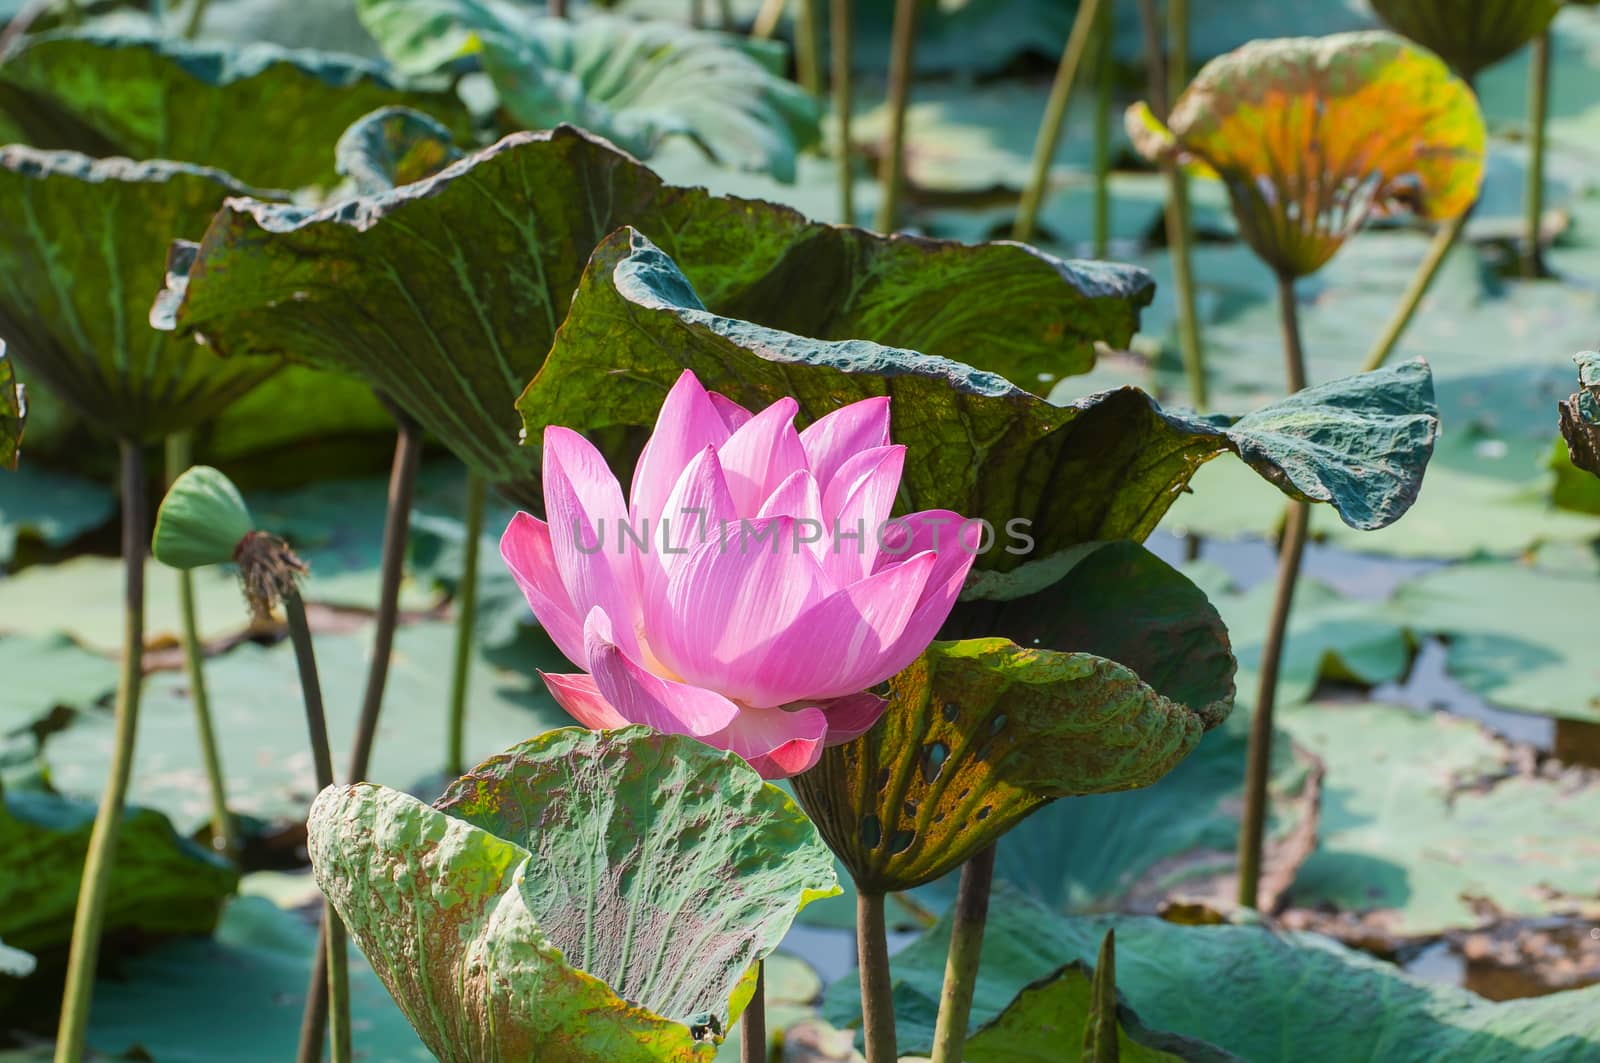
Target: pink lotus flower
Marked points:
753	589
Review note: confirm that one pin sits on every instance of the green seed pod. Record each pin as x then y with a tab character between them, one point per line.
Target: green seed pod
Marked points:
201	521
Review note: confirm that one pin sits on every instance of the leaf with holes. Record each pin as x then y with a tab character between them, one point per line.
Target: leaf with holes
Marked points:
446	294
1312	134
632	82
13	412
1104	467
983	732
1469	34
584	895
267	115
1580	415
80	253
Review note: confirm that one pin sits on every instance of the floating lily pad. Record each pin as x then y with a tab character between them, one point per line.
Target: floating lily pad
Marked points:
265	114
254	693
162	884
1469	34
1310	135
46	673
595	894
1101	468
80	255
447	293
1350	1007
13	412
1417	846
51	507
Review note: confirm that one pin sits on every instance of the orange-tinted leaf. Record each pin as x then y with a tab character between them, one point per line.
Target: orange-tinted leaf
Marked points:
1469	34
1312	134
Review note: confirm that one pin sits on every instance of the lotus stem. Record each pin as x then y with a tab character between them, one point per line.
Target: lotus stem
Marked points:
1177	50
808	47
338	960
902	54
839	25
1171	74
697	13
196	16
18	27
753	1023
1258	765
872	954
466	623
725	15
1055	116
767	19
1443	240
396	530
961	964
1100	1033
558	8
1104	67
1155	59
224	831
1538	112
99	863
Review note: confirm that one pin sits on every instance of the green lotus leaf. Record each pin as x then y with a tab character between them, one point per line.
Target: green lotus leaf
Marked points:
1310	135
1350	1005
1469	34
80	253
634	83
446	294
1102	468
391	147
1580	415
13	411
201	520
265	114
162	884
983	732
585	895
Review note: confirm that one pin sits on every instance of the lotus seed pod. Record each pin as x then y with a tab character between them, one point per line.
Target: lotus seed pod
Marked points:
201	521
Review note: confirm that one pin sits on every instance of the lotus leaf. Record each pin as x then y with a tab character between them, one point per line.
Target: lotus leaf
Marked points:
13	411
446	294
631	82
267	115
1311	135
585	895
79	257
49	507
1102	468
1469	34
1352	1006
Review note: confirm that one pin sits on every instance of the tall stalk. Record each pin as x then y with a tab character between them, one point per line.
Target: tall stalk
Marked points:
877	1003
1252	826
1055	116
961	964
396	530
1173	75
1443	240
322	762
224	830
839	26
197	15
902	56
808	47
557	8
1538	112
1104	67
466	624
767	19
753	1023
99	863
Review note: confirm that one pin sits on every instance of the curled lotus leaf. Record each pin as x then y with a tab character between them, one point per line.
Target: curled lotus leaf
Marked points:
13	411
633	82
582	896
1104	467
446	294
1580	415
982	732
391	147
268	115
80	253
1311	135
1469	34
